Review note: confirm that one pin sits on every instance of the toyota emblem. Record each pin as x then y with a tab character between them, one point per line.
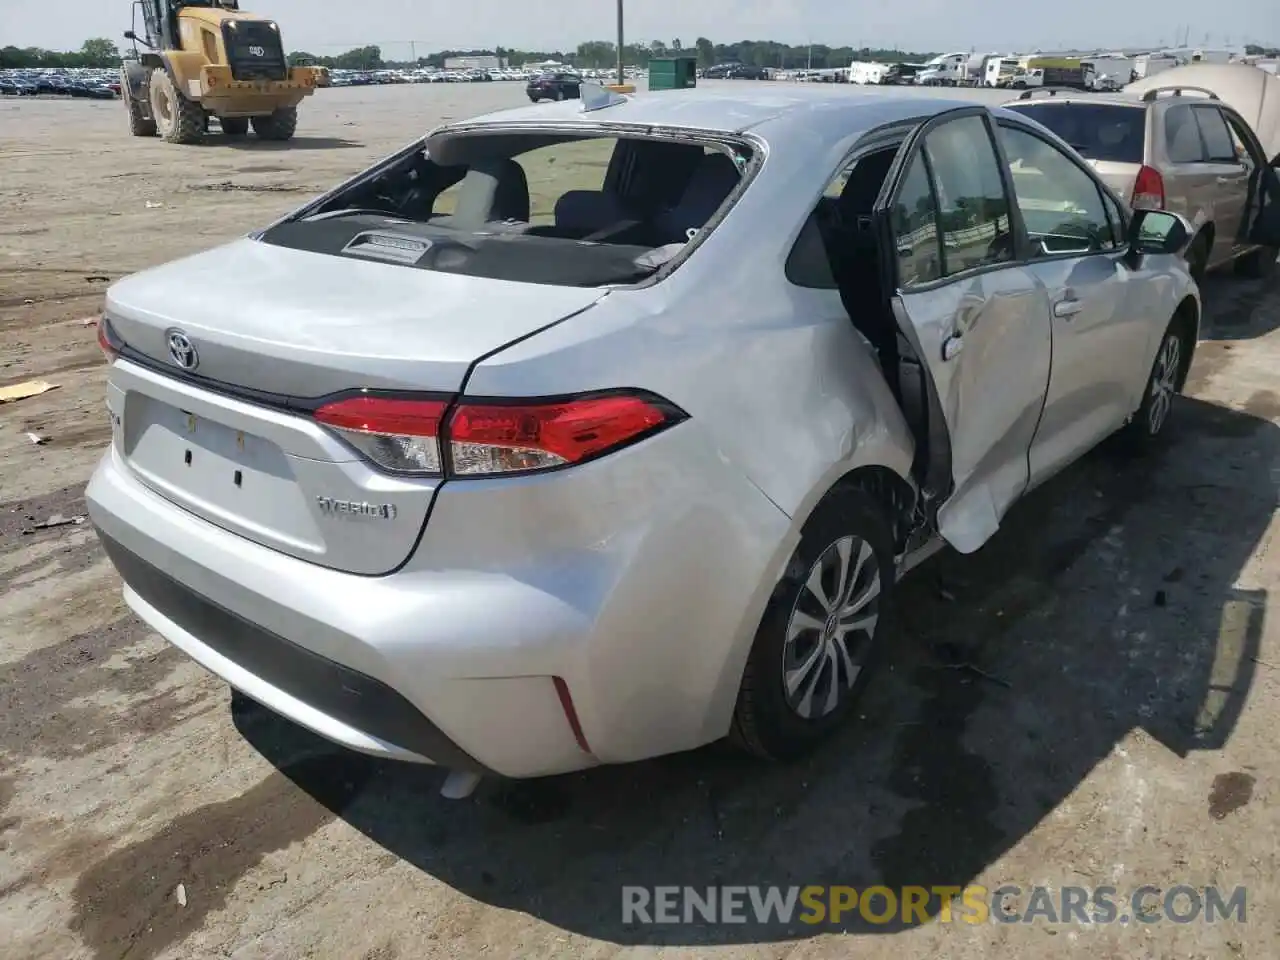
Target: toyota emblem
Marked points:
181	350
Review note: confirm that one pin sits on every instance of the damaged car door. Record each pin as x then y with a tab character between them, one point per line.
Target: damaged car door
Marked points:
975	320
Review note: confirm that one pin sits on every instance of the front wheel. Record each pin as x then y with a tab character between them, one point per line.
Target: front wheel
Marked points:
821	631
559	95
1168	373
177	119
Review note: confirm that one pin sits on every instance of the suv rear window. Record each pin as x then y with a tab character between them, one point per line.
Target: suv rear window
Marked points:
1098	131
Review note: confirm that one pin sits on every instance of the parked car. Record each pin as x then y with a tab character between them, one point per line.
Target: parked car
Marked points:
554	86
1169	145
526	485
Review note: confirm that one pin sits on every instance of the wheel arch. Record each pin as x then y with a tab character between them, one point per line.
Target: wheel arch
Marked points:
1186	319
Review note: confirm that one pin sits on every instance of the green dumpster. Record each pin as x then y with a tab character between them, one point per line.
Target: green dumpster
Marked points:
673	73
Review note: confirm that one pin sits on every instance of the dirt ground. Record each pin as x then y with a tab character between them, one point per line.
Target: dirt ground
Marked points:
1092	699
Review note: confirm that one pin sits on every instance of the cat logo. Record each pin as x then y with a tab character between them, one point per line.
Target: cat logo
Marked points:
256	51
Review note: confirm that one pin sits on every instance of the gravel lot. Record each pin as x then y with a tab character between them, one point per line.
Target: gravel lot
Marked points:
1118	728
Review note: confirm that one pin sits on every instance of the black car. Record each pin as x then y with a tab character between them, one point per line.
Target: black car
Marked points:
555	86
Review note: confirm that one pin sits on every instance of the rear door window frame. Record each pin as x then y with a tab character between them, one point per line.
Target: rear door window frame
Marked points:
915	145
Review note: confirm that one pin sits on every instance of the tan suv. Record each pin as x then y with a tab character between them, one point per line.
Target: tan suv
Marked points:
1172	147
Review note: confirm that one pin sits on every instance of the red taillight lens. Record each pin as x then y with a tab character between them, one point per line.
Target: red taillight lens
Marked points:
497	438
108	341
399	435
1148	190
487	438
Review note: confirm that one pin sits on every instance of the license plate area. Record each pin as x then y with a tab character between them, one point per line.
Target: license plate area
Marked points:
229	476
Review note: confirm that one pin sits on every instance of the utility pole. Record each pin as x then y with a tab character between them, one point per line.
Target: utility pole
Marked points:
622	77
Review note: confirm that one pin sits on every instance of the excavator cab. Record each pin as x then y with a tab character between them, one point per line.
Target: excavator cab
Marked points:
207	58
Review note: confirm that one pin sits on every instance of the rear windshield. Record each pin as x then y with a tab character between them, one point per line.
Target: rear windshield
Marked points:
533	207
1098	131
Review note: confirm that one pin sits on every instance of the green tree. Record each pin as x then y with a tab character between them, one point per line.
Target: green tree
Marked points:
706	52
100	52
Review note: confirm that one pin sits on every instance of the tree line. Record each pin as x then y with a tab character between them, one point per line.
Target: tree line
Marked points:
602	54
97	52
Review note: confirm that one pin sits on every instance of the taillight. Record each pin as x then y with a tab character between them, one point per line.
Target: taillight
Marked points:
491	437
1148	190
109	343
398	435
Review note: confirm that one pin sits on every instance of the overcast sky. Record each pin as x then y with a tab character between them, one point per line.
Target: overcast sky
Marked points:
328	26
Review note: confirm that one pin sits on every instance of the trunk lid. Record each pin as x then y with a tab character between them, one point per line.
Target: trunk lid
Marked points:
231	440
304	324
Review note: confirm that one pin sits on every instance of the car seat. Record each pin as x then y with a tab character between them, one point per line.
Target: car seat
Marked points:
493	190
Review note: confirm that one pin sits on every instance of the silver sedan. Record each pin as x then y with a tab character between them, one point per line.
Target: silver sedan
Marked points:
587	432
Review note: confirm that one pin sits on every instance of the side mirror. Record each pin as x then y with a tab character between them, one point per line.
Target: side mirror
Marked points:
1158	231
130	35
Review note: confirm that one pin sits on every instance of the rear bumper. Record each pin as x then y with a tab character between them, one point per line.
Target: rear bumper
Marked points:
640	592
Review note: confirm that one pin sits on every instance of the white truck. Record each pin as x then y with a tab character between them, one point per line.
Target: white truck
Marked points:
1149	64
867	71
999	71
1107	73
943	71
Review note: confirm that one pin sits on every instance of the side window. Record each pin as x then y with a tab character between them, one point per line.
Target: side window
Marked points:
1061	205
915	228
973	212
1182	136
1218	145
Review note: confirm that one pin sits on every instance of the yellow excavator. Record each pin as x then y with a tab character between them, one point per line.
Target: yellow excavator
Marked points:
207	58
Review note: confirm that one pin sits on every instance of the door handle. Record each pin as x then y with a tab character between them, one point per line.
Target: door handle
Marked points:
1067	307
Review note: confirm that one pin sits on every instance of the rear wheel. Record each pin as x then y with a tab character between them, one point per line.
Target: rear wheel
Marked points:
559	94
139	125
177	119
279	125
234	126
818	639
1258	265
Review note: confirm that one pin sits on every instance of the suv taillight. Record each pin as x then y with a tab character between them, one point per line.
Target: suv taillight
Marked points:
1148	190
477	438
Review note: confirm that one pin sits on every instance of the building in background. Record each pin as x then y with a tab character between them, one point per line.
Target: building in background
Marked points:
474	63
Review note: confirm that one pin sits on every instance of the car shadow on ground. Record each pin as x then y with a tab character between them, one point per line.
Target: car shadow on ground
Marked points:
1108	603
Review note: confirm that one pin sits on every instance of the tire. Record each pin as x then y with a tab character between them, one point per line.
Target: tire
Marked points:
559	95
1198	258
234	126
1164	382
177	119
777	725
139	125
279	125
1258	265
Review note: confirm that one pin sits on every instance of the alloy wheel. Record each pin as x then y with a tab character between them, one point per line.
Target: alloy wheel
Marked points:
1164	383
830	630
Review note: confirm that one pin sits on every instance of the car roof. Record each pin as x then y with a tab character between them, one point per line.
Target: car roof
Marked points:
772	113
1119	98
